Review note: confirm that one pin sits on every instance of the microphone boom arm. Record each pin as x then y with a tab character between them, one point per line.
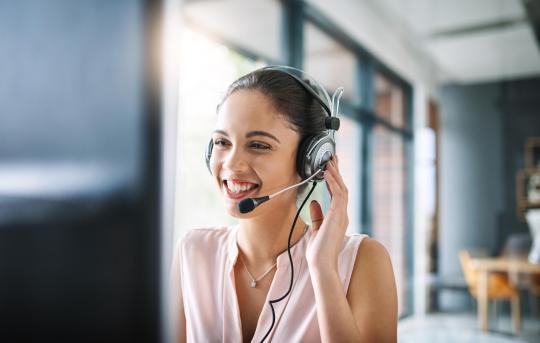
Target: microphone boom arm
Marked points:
295	185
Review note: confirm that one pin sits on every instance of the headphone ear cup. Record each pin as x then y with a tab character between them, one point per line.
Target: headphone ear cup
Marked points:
313	153
301	156
208	154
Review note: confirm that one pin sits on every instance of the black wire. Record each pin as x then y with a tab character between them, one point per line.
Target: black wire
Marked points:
271	302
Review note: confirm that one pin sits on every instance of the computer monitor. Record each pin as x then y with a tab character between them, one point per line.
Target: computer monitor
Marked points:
80	175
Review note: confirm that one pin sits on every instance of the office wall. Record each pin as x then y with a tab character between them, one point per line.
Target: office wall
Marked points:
520	104
484	130
471	173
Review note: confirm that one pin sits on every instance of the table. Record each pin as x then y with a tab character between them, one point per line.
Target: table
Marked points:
510	265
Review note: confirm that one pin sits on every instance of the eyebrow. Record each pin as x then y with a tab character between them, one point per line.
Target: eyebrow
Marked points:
252	134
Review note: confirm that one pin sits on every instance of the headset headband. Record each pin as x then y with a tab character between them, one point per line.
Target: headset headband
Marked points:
317	91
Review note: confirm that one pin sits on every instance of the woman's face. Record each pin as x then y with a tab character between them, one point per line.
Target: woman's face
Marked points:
254	152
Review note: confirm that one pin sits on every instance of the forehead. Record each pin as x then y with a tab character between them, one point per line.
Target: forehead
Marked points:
249	110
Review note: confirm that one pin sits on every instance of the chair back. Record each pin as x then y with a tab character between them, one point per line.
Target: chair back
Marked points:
471	275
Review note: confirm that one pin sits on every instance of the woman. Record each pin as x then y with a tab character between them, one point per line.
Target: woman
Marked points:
223	278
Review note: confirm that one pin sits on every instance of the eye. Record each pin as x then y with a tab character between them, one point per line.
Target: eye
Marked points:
259	146
220	142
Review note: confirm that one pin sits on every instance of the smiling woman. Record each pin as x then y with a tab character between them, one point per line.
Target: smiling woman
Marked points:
264	278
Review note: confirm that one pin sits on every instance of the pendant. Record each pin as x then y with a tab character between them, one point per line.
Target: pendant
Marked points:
253	284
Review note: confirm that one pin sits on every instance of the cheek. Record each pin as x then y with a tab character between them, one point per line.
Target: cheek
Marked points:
273	168
279	169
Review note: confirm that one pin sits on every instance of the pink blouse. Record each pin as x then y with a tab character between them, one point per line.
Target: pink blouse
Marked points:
206	258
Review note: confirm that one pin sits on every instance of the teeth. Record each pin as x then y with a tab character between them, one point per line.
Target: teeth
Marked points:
238	187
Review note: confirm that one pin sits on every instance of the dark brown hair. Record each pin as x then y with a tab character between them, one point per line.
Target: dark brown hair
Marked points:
290	99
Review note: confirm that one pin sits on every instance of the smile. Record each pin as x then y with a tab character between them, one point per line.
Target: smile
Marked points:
239	189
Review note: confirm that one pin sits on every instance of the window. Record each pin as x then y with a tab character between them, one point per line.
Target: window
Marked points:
348	140
390	101
330	63
389	203
251	25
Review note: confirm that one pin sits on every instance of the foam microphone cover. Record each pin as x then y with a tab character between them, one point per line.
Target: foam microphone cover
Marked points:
249	204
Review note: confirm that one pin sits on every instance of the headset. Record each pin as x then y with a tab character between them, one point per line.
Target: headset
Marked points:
314	151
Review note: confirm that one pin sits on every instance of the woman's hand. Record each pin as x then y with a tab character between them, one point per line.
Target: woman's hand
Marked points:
328	232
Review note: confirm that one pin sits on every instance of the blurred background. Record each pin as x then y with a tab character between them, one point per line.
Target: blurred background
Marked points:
106	108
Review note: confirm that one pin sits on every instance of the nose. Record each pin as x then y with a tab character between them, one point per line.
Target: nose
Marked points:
234	160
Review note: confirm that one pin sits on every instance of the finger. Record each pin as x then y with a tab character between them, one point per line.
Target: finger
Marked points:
333	159
339	197
339	177
331	183
316	213
326	173
340	185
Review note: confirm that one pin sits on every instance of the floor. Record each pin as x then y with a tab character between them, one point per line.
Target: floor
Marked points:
451	328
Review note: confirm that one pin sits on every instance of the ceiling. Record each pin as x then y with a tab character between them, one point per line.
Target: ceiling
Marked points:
457	40
470	41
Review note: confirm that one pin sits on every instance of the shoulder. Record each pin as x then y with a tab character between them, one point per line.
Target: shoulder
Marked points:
366	257
372	292
205	241
207	234
207	237
372	263
370	249
351	242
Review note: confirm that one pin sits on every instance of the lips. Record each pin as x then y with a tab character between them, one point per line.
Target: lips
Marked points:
242	194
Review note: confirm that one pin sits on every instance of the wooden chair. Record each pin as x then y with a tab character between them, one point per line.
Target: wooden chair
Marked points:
499	287
519	245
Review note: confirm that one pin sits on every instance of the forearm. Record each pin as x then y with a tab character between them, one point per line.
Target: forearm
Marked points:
336	320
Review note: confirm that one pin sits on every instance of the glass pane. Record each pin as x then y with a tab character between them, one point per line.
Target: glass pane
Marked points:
240	22
389	207
330	63
348	140
390	101
206	69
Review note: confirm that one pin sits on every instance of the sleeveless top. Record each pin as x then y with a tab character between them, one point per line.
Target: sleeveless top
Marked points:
206	258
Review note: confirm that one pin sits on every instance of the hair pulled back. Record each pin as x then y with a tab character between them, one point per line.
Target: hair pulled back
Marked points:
289	98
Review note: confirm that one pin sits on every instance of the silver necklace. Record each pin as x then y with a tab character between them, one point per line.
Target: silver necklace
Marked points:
254	281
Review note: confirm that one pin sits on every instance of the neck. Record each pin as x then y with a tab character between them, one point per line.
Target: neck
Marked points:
263	238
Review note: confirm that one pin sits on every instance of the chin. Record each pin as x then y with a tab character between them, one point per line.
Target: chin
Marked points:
232	210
